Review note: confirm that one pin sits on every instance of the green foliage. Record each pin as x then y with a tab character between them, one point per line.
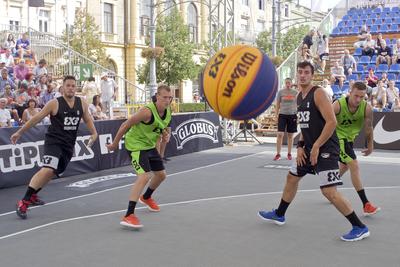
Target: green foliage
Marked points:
176	64
286	42
193	107
85	38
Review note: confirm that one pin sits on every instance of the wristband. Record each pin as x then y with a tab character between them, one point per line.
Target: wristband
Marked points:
300	143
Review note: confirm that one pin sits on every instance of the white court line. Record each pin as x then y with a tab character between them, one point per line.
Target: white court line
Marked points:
123	186
174	204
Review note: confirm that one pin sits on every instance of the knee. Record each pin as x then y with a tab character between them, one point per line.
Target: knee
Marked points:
143	178
280	134
292	180
330	193
161	176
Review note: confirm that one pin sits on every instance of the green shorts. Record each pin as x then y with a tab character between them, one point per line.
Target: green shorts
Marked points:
146	160
347	153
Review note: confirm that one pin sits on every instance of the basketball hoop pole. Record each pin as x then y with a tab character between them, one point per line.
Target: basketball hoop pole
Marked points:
244	131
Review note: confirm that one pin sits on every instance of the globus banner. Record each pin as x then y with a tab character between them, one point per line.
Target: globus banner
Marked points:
191	132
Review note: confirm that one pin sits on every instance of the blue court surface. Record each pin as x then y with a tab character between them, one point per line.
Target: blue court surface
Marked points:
208	217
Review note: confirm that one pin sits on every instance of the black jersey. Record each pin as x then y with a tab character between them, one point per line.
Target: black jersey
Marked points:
311	123
64	125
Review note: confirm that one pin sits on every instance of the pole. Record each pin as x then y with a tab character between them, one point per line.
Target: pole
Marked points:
69	48
152	32
273	28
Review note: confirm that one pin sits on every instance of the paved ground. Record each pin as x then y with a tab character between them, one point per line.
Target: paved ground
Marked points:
208	218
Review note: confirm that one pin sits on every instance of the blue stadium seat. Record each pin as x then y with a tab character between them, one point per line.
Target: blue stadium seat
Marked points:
352	77
373	59
378	21
394	28
374	29
395	68
358	52
391	76
382	68
394	40
359	69
369	22
397	20
346	17
354	16
379	75
385	28
341	24
370	66
396	9
386	9
345	31
388	21
359	23
355	30
373	16
364	60
345	89
349	23
376	10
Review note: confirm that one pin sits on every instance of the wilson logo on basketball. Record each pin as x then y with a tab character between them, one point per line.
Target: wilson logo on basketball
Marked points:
239	71
195	128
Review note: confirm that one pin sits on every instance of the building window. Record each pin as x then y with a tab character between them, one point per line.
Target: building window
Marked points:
144	25
245	2
44	17
192	23
287	11
14	25
260	25
261	5
108	18
244	24
15	18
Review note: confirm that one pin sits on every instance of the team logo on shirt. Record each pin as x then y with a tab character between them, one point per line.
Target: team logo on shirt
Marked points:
71	123
195	128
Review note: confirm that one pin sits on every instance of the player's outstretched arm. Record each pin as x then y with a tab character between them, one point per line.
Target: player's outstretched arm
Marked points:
87	118
369	130
144	114
50	107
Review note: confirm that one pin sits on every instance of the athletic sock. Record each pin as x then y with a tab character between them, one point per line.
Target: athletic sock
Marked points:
282	208
148	193
354	220
29	192
131	208
363	197
37	191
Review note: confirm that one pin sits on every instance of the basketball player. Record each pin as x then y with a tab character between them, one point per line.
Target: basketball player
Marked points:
352	112
286	109
143	129
163	140
65	115
317	154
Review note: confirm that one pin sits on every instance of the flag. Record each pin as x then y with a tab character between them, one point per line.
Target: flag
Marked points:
36	3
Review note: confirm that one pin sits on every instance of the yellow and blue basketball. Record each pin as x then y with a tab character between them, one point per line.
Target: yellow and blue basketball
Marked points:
240	82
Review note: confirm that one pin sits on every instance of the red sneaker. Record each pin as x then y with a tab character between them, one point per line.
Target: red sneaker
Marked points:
22	208
277	157
150	203
131	221
370	209
289	156
36	201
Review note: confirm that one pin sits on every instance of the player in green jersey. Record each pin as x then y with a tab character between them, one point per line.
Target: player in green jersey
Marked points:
352	114
142	132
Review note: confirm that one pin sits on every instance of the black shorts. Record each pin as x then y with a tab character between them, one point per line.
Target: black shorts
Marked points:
327	169
57	157
347	153
287	123
146	160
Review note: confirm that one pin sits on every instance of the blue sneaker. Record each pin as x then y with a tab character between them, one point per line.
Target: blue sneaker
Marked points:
271	216
356	234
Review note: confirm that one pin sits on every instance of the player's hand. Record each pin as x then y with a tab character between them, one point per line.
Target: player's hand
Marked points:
14	138
367	151
314	155
112	146
165	136
92	138
301	157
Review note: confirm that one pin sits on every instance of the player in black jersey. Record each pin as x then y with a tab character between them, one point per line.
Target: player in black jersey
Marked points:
317	153
65	113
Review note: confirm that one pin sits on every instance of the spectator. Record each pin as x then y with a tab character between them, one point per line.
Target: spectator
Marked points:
396	106
42	84
196	98
392	94
327	87
8	59
95	109
29	79
385	79
9	44
10	96
384	54
23	47
50	77
369	89
379	96
337	73
323	51
33	93
379	40
372	78
362	36
305	54
108	89
46	96
396	53
20	71
40	69
59	92
30	111
348	62
5	117
5	80
308	39
368	46
90	89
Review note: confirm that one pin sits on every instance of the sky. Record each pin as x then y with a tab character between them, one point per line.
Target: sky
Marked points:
321	5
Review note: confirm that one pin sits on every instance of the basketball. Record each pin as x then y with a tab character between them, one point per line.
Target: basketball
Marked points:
240	82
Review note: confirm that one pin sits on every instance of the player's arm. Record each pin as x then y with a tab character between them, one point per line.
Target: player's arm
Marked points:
278	104
144	114
369	130
301	156
325	108
336	107
50	107
87	118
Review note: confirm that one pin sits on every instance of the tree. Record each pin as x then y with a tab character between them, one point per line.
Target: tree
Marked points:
175	63
85	38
